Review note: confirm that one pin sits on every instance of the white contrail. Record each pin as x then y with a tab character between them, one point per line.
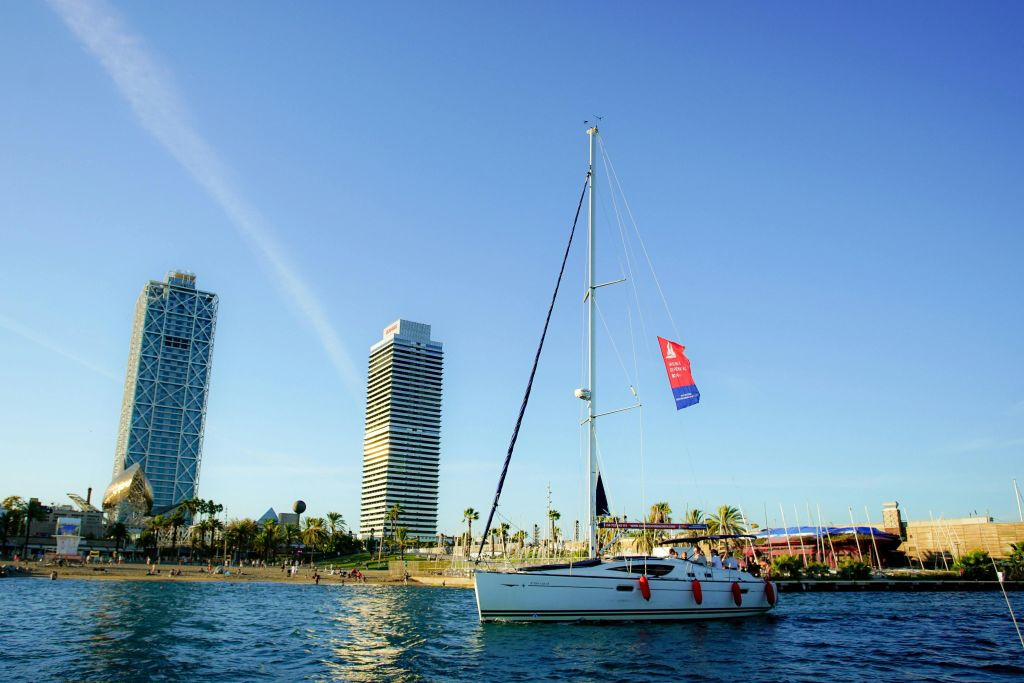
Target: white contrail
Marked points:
40	340
151	92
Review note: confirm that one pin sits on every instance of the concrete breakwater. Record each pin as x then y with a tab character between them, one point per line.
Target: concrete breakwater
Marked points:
894	585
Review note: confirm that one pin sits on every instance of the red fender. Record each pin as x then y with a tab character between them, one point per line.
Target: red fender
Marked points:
645	588
737	594
769	593
698	594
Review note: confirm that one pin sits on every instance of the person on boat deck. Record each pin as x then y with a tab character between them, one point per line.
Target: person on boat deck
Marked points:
672	553
716	560
697	556
731	563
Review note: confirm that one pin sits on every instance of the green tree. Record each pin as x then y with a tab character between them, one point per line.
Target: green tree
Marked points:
176	521
976	566
787	567
694	516
241	534
660	513
553	516
816	570
336	528
118	532
469	515
519	537
503	530
268	538
726	521
853	570
314	535
402	540
289	534
154	525
192	506
10	522
31	511
1013	566
149	540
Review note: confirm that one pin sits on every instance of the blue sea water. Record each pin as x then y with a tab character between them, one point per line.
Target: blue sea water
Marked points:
133	630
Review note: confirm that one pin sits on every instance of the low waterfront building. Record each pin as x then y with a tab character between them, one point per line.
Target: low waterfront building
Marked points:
930	541
287	518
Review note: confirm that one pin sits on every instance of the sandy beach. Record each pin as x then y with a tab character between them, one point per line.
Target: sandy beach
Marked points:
135	572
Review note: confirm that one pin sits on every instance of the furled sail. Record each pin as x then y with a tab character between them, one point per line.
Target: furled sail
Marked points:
602	499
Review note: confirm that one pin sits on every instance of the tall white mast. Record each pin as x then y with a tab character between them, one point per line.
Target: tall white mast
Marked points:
592	366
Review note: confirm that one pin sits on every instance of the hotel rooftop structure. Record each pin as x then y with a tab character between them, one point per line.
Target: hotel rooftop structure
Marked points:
402	442
163	412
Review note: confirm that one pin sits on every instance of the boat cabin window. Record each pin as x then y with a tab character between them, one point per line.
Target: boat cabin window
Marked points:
648	569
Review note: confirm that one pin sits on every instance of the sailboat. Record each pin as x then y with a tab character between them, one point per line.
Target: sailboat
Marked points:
617	588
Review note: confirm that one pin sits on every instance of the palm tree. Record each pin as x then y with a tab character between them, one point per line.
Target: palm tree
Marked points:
176	520
726	522
503	530
392	515
394	512
401	540
267	538
694	516
240	534
154	526
469	515
495	533
118	532
31	511
336	526
520	538
314	535
289	532
553	516
192	506
660	514
213	525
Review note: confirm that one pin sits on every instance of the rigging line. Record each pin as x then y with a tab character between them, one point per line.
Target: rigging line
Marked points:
627	251
650	264
533	371
610	172
636	370
629	257
618	356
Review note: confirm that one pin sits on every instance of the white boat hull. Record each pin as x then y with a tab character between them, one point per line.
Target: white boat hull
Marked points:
601	595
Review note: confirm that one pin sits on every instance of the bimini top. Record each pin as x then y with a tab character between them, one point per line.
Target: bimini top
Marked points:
824	531
131	485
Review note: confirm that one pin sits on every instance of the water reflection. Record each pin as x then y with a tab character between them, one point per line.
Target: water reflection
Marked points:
111	630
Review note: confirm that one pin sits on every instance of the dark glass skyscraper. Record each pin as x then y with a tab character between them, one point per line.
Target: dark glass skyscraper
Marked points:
164	409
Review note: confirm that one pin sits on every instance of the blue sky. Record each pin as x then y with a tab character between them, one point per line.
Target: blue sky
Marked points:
830	196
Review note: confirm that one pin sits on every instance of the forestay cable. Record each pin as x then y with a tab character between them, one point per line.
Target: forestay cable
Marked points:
533	372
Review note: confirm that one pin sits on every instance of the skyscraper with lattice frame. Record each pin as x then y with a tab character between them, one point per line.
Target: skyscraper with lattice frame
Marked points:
163	412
